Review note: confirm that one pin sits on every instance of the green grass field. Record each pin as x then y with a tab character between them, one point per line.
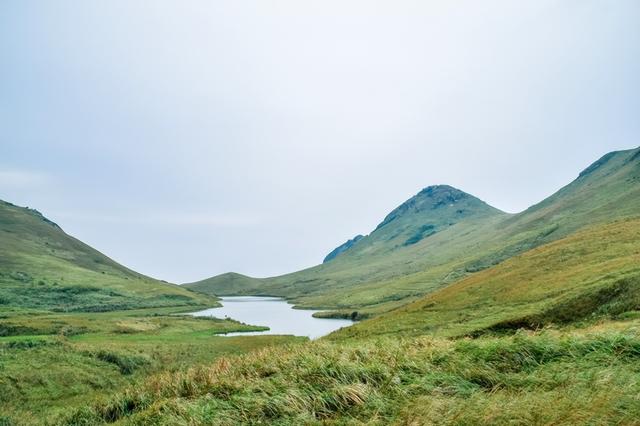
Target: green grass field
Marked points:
587	376
64	360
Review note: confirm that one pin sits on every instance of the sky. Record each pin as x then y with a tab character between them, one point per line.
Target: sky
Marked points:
190	138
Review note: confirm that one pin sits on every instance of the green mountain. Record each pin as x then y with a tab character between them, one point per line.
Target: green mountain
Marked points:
41	267
432	210
395	248
443	235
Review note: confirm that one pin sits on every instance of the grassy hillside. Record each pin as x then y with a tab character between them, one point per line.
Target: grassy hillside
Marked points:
405	258
595	272
229	283
43	268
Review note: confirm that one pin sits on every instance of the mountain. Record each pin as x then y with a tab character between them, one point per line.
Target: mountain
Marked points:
431	210
395	248
41	267
442	235
423	215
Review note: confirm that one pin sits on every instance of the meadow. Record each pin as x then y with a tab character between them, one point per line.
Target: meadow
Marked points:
564	376
53	361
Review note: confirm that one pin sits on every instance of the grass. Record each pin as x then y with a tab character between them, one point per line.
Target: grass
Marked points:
587	376
63	360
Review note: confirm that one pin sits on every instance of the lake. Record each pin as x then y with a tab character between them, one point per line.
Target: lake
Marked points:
275	313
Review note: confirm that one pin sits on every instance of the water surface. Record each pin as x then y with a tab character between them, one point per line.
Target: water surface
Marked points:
275	313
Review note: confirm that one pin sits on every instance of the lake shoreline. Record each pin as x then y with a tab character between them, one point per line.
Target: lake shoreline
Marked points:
276	313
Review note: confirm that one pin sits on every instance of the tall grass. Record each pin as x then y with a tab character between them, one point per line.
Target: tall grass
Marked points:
488	380
51	369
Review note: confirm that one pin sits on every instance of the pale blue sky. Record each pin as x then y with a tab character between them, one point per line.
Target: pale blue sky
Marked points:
190	138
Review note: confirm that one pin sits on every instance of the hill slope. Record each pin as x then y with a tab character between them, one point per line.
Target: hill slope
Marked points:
229	283
41	267
593	272
443	235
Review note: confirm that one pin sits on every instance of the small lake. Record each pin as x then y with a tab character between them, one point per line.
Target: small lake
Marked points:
275	313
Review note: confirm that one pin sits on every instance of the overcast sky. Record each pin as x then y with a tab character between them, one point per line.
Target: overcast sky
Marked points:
190	138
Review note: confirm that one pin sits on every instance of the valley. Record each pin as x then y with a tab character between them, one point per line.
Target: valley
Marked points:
465	315
319	213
